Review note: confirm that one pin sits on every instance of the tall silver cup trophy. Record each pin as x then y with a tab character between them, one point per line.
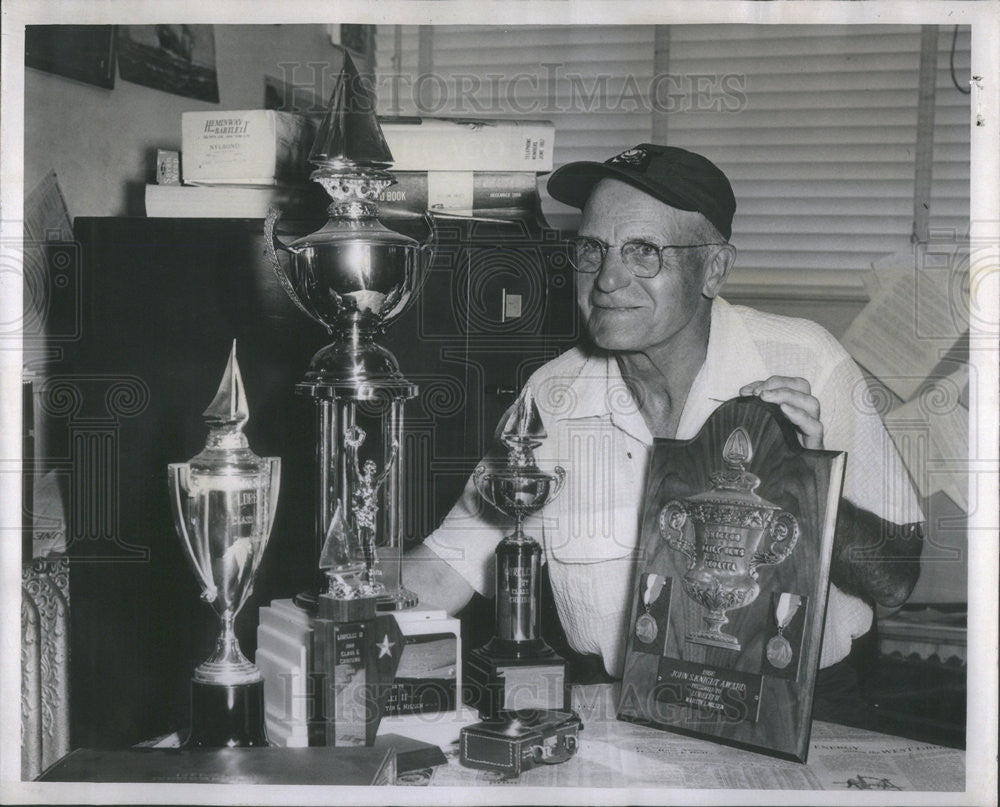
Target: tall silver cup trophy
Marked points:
223	502
354	276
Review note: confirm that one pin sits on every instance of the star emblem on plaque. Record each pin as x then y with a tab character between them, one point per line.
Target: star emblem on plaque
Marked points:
736	538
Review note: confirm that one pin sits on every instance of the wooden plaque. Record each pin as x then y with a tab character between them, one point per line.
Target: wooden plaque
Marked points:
730	594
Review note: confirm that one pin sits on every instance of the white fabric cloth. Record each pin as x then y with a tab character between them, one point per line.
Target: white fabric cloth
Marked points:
590	532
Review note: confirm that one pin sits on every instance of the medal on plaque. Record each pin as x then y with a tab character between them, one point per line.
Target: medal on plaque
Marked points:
729	522
223	502
517	669
646	628
779	649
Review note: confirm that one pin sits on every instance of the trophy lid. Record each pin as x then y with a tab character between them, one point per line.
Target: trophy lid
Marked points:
229	406
735	484
227	451
523	426
350	135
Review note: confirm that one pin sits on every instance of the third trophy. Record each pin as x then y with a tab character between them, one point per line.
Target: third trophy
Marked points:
517	669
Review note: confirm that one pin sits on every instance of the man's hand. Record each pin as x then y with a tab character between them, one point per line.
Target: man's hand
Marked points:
796	400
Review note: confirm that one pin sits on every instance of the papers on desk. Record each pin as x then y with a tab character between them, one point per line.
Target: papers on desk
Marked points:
615	754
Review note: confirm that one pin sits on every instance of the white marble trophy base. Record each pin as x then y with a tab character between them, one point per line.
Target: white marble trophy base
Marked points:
284	636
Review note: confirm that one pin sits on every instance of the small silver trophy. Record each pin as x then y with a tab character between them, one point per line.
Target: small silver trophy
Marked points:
223	501
518	488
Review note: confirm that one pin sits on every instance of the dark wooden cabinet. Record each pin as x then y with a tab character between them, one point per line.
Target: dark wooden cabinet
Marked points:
145	336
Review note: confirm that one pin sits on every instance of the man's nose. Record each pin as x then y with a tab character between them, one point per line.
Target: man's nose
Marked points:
614	274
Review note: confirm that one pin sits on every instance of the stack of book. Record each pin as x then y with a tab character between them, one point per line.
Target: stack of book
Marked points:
238	164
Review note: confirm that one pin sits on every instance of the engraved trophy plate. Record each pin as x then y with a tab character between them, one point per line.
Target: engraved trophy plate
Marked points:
223	503
739	523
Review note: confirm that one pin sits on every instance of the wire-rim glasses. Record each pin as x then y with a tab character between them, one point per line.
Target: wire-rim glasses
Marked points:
642	258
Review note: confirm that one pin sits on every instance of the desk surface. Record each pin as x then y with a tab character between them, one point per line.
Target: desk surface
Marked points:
615	754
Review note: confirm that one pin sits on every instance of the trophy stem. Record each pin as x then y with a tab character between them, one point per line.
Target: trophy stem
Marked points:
227	665
715	636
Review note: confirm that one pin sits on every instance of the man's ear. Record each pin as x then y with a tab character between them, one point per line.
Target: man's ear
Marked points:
717	270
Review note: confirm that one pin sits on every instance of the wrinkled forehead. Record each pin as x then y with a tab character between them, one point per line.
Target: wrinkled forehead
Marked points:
614	205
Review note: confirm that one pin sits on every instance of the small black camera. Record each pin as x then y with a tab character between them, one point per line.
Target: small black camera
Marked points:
517	741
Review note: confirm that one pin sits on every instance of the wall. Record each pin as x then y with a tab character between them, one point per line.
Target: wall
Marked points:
102	143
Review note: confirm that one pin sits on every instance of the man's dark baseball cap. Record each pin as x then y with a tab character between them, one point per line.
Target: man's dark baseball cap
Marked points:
678	177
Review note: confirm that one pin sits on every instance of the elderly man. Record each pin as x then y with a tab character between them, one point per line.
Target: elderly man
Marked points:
663	351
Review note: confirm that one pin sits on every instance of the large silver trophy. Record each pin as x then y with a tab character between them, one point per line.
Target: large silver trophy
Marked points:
354	276
223	501
516	668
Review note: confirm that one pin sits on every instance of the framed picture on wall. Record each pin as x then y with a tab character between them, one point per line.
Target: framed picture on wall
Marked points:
82	52
178	59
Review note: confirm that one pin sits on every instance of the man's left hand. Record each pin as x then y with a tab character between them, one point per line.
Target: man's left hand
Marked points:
796	400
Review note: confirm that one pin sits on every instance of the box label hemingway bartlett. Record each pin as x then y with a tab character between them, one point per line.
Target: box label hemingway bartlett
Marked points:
254	146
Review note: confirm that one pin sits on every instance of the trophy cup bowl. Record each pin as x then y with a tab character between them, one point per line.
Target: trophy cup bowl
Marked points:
354	278
518	492
224	524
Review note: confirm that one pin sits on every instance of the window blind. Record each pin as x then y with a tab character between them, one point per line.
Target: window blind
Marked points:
814	125
822	155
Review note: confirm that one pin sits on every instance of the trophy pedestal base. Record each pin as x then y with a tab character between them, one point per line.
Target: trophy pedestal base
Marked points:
426	695
227	716
714	639
515	680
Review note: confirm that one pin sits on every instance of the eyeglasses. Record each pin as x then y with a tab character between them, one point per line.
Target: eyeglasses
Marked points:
642	258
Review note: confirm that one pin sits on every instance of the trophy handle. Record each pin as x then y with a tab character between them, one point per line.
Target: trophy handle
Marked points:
560	474
177	481
781	537
428	251
274	467
272	244
479	480
672	520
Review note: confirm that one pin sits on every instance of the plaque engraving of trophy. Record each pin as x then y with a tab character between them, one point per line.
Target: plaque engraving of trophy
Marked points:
729	521
354	276
223	501
516	669
737	535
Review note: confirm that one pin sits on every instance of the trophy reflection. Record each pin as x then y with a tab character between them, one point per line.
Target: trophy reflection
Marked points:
729	523
223	502
517	669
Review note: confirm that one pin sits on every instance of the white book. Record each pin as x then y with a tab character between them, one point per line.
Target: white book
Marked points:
226	201
466	144
246	146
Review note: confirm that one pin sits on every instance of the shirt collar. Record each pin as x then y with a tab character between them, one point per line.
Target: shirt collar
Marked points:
732	360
